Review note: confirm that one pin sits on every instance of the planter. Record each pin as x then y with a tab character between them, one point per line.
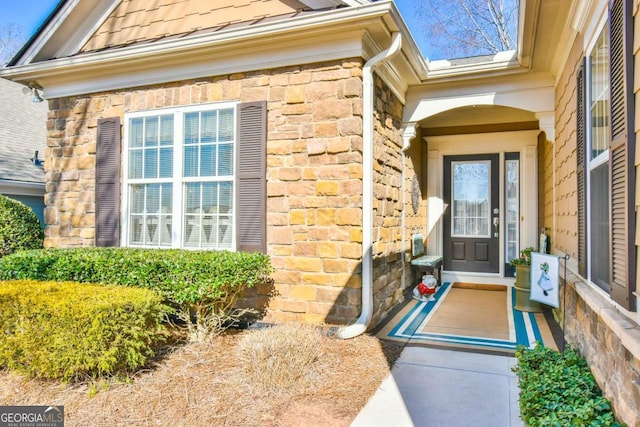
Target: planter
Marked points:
523	291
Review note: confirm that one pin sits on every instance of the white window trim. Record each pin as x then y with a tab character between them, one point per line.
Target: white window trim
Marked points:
178	179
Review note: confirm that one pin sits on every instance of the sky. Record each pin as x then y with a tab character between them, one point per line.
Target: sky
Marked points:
29	14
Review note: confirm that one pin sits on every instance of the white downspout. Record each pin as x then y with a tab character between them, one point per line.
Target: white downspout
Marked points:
362	323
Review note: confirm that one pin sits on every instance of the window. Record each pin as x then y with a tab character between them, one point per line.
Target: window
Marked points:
193	177
599	137
471	199
180	178
605	154
511	210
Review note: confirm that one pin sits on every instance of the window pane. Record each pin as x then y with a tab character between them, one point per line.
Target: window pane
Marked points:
166	162
210	197
471	199
225	159
135	132
226	125
151	163
512	209
137	199
192	197
224	234
226	197
599	61
191	161
135	164
208	160
153	198
191	125
166	130
599	195
208	127
151	132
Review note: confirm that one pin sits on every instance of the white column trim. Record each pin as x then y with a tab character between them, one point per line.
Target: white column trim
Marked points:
547	120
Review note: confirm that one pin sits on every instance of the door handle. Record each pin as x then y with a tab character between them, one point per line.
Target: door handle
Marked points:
496	225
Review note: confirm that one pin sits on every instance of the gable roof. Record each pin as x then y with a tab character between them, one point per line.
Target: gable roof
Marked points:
76	26
143	20
59	60
22	133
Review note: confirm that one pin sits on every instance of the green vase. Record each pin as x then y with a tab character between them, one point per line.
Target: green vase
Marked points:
523	291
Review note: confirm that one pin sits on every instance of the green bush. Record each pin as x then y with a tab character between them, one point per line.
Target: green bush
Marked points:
19	227
205	285
70	331
558	389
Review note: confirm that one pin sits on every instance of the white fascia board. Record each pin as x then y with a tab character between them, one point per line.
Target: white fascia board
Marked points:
159	54
210	65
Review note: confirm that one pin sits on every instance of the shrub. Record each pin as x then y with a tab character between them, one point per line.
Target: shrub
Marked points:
19	227
70	330
281	358
559	389
204	285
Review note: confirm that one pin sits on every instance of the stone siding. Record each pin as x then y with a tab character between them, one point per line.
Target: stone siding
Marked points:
314	159
387	201
593	327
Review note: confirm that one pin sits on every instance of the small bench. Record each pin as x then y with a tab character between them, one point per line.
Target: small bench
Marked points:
427	263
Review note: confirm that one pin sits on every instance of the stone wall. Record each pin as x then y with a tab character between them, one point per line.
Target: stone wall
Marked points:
387	201
609	342
314	158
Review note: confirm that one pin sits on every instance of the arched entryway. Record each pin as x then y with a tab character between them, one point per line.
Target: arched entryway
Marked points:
482	185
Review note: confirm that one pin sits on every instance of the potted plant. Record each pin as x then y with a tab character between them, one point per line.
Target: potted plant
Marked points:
523	282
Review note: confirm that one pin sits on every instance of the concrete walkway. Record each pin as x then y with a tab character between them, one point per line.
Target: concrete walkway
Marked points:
430	387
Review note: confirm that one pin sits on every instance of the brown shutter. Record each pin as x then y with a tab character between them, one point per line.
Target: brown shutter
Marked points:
251	177
621	154
581	170
108	182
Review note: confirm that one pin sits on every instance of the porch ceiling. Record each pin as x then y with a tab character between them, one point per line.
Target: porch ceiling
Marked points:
478	119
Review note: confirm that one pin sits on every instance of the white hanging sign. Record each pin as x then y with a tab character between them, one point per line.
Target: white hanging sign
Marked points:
545	278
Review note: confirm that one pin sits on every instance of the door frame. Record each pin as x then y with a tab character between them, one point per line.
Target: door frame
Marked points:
523	142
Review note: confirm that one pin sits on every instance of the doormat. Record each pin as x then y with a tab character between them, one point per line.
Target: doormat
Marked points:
469	317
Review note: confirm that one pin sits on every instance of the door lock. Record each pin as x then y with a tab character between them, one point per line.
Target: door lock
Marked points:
496	225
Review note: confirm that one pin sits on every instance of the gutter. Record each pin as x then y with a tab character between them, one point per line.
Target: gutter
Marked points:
362	323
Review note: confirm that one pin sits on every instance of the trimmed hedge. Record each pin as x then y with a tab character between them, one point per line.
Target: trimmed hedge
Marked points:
205	284
19	227
558	389
70	331
181	276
